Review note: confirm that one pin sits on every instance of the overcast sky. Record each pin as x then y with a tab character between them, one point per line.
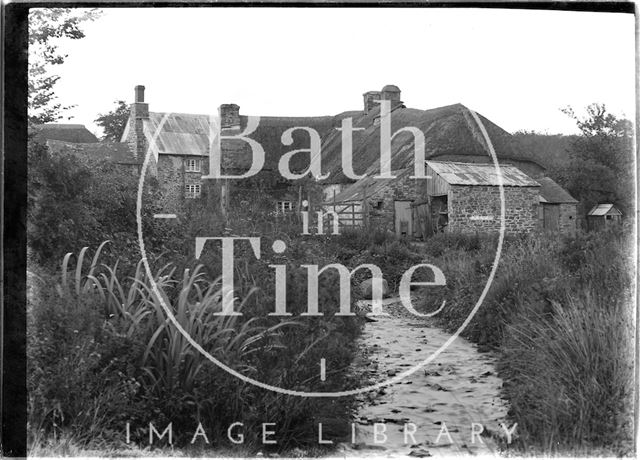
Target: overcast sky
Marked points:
517	68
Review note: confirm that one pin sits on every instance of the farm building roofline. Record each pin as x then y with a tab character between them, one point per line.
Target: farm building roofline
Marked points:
478	174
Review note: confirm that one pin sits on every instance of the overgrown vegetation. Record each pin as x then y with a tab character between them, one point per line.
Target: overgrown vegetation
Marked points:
114	122
596	166
560	315
102	353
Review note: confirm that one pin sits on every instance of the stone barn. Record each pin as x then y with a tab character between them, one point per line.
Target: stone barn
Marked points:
602	216
558	210
465	198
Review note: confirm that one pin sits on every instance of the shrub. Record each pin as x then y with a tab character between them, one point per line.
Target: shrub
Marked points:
103	353
558	313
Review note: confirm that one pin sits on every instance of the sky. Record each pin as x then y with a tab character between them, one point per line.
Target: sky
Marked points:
515	67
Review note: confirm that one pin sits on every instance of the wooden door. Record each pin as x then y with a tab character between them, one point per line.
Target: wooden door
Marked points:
403	221
551	217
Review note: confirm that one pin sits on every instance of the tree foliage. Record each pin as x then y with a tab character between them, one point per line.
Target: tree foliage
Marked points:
75	202
114	122
601	159
47	26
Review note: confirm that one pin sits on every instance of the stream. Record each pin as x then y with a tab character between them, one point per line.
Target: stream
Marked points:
454	395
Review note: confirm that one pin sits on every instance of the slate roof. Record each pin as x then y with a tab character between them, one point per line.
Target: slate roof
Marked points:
188	134
481	174
603	209
356	191
115	152
181	134
67	132
551	192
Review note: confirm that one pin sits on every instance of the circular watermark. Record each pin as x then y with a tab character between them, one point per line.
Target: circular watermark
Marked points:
278	246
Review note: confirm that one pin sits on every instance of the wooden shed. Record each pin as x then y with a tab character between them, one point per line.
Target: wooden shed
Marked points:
558	209
603	215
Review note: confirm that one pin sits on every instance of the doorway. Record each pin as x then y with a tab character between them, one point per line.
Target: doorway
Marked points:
403	221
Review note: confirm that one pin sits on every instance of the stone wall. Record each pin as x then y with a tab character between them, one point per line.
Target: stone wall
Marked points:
568	218
477	209
381	203
173	177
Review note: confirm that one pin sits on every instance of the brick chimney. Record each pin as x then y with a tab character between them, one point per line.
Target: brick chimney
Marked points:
369	98
139	111
391	93
229	116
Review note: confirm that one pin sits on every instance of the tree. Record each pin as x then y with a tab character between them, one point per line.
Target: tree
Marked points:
601	165
46	27
114	122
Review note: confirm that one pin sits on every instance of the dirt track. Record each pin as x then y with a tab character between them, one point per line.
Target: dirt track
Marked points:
457	389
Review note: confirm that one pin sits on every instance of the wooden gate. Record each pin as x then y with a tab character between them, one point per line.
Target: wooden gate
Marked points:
349	215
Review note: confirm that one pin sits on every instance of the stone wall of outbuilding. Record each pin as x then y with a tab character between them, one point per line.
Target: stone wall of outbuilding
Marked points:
477	209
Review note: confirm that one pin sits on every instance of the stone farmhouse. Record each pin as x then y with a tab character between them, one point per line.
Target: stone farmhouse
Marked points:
459	194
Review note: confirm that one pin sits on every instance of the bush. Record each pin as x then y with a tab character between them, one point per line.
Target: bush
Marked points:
81	371
558	313
102	353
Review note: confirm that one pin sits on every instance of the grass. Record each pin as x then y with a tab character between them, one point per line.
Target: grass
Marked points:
559	313
102	352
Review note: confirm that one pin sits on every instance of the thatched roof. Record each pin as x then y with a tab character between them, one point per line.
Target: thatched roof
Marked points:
551	192
67	132
449	131
115	152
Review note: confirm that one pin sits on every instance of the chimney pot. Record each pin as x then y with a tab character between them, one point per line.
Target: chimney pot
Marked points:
391	93
369	100
139	93
229	115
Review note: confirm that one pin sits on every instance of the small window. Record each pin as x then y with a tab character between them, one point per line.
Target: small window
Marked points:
284	206
607	217
194	165
192	191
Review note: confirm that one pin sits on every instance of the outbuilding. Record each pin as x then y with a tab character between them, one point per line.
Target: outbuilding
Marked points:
465	198
604	215
558	209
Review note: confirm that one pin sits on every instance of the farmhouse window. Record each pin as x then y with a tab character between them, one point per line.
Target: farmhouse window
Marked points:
284	206
192	191
194	165
607	217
